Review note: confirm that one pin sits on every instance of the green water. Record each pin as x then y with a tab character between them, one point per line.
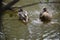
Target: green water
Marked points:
34	30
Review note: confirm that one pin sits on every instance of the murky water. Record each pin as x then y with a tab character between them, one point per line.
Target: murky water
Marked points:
35	29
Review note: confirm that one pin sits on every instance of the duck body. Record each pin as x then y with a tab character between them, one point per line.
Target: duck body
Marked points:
45	17
23	16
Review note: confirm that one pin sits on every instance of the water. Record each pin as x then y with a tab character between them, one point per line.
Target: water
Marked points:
35	29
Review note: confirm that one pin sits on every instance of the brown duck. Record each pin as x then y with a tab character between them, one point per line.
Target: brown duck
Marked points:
44	16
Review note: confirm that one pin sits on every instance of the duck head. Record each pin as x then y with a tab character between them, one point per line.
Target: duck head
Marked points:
20	10
44	9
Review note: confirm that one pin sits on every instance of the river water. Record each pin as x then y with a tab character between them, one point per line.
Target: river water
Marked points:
35	29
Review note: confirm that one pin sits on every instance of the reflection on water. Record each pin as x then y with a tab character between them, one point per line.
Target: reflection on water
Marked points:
35	29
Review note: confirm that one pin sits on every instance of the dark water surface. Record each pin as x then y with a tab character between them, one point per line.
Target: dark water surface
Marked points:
35	29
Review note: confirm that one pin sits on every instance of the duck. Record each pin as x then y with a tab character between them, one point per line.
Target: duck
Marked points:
23	15
45	17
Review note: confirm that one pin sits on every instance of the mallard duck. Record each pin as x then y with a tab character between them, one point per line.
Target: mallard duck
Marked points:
23	15
45	17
